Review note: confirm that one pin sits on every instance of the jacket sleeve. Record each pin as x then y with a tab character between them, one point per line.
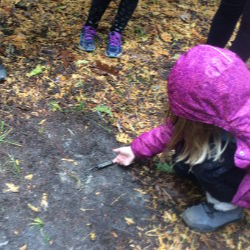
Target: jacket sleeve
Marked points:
153	142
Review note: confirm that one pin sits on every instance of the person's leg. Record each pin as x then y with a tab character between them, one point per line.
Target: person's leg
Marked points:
224	22
96	12
124	13
182	170
241	44
220	180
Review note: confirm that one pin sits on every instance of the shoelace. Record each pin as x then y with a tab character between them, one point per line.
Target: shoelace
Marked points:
209	208
89	32
115	39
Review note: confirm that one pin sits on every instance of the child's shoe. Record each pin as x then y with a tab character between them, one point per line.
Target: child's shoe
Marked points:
87	42
205	218
114	47
3	73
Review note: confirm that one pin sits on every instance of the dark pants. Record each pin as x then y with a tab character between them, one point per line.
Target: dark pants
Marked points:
220	179
124	13
223	25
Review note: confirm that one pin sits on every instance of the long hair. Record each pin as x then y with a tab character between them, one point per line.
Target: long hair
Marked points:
200	141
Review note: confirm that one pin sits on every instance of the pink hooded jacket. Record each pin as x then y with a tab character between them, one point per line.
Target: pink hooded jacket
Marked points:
210	85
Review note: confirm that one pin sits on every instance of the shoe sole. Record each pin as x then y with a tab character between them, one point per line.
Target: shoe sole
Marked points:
213	230
80	47
117	56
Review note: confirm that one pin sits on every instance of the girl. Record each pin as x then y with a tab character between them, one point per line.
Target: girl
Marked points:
97	9
208	126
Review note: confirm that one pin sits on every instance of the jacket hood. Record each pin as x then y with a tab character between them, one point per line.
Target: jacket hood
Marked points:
212	85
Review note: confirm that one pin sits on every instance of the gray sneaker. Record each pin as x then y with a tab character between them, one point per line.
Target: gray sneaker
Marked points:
205	218
3	73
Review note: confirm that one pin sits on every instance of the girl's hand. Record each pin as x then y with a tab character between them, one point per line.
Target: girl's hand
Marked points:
125	156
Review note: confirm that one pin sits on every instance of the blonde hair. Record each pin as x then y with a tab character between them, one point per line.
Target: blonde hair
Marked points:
197	138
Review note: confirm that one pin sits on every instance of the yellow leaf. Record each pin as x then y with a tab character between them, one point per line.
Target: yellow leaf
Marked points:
122	137
166	37
42	122
28	177
33	208
140	191
92	236
11	188
114	234
169	217
24	247
70	160
129	221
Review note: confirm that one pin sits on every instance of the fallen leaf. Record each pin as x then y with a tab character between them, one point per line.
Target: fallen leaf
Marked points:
70	160
42	122
28	177
92	236
24	247
129	221
33	208
140	191
122	137
82	62
114	234
11	188
166	37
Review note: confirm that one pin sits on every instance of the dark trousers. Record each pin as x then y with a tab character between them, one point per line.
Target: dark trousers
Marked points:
223	25
220	179
124	13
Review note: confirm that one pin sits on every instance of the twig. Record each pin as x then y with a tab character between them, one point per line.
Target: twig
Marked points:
117	199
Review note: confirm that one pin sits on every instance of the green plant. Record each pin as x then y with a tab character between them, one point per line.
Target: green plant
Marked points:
2	126
103	109
3	135
54	106
37	223
36	71
164	167
14	165
139	31
79	106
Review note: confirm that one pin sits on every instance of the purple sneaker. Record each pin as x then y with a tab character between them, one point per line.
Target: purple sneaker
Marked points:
87	42
114	47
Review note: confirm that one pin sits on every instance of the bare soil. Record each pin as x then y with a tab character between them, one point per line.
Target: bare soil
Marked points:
86	208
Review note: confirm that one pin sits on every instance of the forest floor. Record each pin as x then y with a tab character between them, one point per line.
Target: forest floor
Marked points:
63	110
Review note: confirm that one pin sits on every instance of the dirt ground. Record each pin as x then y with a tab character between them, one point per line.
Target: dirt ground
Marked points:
84	208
